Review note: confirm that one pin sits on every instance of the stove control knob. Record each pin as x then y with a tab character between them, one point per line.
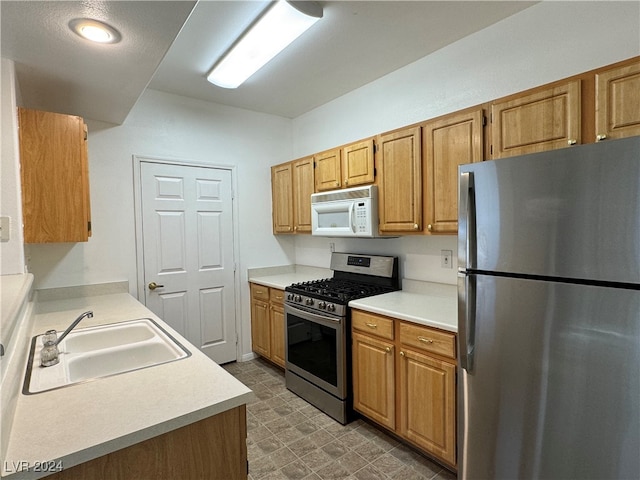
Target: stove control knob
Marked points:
309	301
297	298
322	305
290	296
331	307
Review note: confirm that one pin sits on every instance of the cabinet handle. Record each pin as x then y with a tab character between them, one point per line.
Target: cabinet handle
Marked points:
346	182
402	354
295	229
600	137
425	340
572	141
429	227
388	349
337	184
416	226
371	325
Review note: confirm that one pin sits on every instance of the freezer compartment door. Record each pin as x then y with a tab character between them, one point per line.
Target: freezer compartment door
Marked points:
554	390
571	213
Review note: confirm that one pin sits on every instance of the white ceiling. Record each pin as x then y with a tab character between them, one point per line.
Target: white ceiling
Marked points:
354	44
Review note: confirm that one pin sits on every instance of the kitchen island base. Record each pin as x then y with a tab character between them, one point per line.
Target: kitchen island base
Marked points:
214	448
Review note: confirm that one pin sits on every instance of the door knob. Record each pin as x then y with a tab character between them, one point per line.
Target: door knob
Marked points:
154	285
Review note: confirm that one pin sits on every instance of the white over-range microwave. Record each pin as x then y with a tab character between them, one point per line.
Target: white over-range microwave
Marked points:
352	212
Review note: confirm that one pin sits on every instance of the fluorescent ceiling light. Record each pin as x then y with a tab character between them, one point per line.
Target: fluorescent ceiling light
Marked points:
280	25
95	30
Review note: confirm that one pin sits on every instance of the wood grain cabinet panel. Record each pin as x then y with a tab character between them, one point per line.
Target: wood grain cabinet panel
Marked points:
214	448
328	171
536	121
268	323
358	163
399	164
303	185
55	177
282	198
374	379
449	142
404	379
618	102
428	403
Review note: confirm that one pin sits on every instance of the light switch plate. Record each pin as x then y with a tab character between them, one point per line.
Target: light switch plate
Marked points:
446	257
5	229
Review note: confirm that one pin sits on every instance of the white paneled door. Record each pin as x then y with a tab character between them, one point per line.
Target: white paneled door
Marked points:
187	230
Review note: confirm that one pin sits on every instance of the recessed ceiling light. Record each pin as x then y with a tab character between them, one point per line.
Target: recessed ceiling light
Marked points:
94	30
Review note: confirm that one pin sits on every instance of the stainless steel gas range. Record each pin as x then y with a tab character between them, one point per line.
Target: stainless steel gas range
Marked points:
318	328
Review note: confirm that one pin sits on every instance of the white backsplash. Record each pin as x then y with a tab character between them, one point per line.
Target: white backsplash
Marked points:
419	255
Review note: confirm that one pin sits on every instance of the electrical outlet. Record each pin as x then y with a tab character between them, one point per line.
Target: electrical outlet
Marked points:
446	257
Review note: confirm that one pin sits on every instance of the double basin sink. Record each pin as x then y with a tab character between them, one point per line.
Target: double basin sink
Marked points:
101	351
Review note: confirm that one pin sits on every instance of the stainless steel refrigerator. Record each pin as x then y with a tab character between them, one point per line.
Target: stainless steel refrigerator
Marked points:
549	315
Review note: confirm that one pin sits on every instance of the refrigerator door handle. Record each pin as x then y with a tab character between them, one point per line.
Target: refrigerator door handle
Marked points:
466	222
466	319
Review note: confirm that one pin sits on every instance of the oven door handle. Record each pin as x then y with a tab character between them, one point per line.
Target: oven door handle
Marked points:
321	319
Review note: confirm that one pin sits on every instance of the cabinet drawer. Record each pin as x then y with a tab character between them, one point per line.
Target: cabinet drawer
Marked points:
372	324
428	339
259	292
276	295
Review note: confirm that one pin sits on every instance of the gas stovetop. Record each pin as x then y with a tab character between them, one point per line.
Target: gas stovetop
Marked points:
354	277
338	290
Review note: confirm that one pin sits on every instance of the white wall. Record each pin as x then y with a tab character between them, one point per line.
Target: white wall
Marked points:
11	253
546	42
549	41
170	126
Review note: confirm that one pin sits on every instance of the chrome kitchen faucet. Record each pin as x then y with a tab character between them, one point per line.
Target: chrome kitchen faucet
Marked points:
49	355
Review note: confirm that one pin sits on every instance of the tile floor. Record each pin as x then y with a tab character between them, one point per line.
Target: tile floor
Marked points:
290	439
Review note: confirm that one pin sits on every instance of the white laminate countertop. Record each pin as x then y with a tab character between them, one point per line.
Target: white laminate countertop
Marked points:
87	420
425	303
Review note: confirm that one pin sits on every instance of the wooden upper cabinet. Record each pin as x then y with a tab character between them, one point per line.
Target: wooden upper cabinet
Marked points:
303	186
536	121
448	142
55	177
282	198
399	164
328	173
357	163
618	102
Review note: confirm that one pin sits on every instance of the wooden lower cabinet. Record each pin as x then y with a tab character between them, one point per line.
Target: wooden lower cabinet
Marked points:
404	378
267	323
214	448
427	391
374	379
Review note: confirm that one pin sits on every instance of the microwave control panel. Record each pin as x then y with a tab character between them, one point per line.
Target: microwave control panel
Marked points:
362	222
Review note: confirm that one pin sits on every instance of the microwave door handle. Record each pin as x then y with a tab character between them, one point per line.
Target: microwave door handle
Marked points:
352	217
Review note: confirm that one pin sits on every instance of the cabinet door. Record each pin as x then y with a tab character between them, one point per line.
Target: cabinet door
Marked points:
302	189
374	379
328	170
618	102
277	335
448	142
282	198
357	163
399	164
55	179
427	404
535	122
260	328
